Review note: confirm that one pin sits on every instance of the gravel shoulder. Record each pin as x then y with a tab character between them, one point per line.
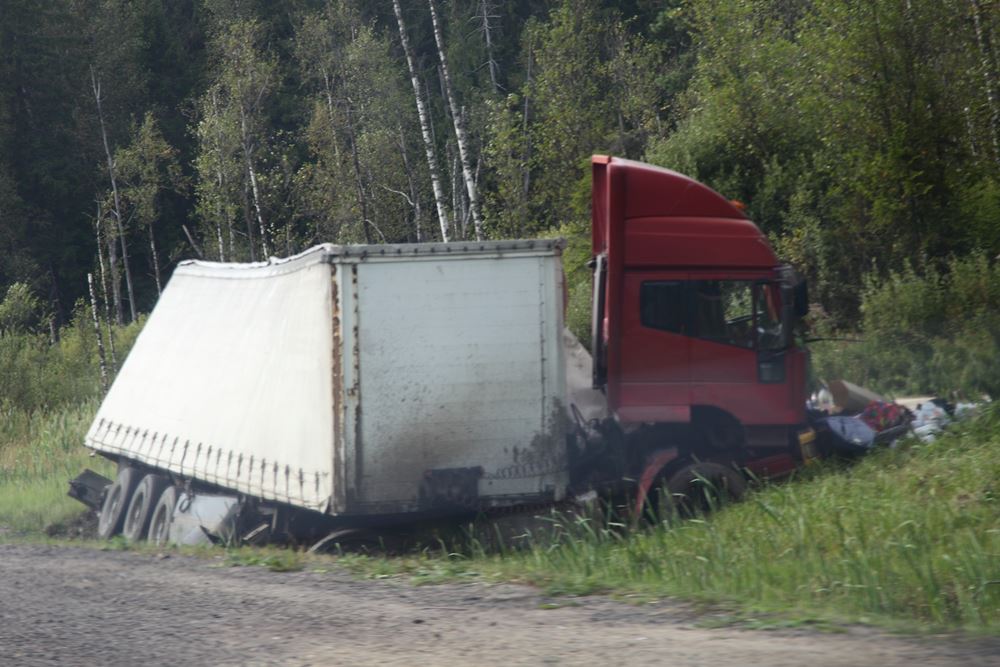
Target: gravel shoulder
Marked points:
64	605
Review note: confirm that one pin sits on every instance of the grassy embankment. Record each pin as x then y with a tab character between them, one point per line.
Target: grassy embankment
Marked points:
911	534
39	453
48	395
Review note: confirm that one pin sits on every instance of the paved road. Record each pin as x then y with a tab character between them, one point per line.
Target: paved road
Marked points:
62	606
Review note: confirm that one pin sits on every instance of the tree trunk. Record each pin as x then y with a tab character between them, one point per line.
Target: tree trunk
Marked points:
249	222
484	14
96	85
414	195
989	76
104	286
97	332
247	144
220	181
526	152
459	125
328	90
156	261
425	126
116	288
358	180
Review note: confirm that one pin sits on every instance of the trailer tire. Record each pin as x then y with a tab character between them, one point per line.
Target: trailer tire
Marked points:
116	501
701	487
140	508
163	516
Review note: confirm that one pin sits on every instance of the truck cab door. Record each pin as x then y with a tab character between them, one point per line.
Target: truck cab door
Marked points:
737	353
655	350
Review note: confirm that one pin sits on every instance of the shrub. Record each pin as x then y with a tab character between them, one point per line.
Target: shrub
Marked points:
931	331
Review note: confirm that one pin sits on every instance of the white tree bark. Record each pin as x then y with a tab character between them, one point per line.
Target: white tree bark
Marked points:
220	181
156	261
484	14
96	85
97	332
425	126
459	124
104	285
248	151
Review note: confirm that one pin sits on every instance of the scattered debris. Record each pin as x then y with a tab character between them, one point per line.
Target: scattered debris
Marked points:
851	420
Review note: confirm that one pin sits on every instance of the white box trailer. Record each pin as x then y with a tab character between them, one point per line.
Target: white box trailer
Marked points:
354	380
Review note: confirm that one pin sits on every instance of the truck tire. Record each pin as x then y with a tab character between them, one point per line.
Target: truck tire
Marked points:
116	501
163	516
140	508
702	487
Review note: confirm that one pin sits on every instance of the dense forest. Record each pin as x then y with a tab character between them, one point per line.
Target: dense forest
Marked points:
863	137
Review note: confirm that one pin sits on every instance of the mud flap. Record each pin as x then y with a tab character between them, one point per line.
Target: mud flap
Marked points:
89	487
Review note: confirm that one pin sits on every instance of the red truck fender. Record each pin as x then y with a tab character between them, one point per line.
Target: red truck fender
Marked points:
654	465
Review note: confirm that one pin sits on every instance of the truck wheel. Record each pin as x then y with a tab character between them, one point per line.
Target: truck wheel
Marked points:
701	487
163	516
140	509
116	500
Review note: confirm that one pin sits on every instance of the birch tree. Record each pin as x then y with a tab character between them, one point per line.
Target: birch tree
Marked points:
219	174
485	20
116	210
458	122
149	167
356	185
234	129
425	125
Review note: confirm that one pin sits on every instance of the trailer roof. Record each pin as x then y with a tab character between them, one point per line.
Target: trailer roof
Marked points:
328	253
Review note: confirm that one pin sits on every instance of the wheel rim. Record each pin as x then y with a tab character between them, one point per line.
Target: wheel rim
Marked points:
109	512
138	509
156	526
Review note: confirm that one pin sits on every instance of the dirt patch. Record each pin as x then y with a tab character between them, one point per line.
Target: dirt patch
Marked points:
83	526
83	606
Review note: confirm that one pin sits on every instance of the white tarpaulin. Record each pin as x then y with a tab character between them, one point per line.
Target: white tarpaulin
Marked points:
230	381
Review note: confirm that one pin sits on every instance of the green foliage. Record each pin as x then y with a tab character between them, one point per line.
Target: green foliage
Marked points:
861	136
36	374
590	87
935	331
20	310
365	182
148	166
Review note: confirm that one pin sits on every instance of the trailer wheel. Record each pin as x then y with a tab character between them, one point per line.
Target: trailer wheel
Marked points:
163	516
116	500
701	487
140	509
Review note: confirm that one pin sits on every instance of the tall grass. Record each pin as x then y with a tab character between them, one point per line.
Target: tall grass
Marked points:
39	453
911	533
48	396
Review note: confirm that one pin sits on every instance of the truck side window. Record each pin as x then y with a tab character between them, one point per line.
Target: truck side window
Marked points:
769	329
723	311
661	305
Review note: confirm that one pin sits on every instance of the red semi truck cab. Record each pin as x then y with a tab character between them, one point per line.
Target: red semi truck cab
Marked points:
693	320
